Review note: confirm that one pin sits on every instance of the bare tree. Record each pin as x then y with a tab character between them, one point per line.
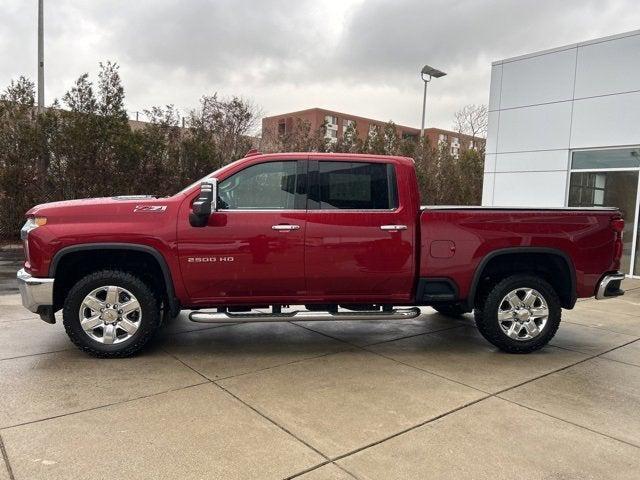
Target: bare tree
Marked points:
229	122
472	120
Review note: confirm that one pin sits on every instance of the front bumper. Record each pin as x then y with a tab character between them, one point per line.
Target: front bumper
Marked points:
609	286
37	294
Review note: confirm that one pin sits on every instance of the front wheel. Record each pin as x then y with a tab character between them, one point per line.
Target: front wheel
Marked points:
111	313
520	314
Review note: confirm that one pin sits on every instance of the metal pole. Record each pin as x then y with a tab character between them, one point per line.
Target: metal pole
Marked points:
40	55
424	107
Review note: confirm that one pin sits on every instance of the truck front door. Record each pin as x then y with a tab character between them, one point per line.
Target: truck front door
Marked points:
360	233
252	249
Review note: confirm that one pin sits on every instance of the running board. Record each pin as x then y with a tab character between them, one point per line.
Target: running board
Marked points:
303	315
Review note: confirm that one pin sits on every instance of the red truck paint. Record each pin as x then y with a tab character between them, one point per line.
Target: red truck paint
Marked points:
335	256
585	237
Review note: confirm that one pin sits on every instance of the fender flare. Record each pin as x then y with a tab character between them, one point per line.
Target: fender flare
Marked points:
166	272
516	250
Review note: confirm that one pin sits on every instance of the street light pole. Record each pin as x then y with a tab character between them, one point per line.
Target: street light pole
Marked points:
424	106
40	55
427	73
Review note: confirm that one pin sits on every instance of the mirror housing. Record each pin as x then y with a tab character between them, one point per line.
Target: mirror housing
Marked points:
205	204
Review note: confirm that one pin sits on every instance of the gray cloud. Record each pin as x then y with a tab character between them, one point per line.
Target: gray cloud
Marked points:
220	39
352	55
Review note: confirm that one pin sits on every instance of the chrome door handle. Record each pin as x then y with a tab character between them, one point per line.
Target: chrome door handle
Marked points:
285	228
393	228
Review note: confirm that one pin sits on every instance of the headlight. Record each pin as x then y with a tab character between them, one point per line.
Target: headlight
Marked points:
31	224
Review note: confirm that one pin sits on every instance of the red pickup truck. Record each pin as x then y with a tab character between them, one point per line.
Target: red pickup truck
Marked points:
343	235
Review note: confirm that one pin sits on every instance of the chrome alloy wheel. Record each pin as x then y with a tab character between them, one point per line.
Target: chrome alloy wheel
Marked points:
523	314
110	314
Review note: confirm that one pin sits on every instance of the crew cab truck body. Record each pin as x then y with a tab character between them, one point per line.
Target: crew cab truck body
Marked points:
320	230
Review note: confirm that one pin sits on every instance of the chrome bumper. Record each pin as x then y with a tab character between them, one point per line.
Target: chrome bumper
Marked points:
37	293
609	286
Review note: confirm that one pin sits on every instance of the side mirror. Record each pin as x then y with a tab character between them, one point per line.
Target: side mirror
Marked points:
205	204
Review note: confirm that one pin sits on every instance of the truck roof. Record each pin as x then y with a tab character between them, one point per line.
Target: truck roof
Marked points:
333	156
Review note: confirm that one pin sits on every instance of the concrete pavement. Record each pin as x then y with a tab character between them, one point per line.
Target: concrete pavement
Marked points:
426	398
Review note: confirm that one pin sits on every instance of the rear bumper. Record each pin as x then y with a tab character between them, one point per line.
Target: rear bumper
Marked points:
36	293
609	286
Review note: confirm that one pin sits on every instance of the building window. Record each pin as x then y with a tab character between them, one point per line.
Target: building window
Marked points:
614	158
331	119
442	138
587	190
346	124
282	127
609	178
331	126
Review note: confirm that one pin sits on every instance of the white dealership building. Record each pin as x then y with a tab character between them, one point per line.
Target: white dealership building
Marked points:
564	130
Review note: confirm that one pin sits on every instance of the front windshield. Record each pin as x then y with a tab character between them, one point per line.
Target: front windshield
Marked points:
210	175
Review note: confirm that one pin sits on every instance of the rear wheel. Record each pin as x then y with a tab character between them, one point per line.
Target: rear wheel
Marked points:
111	313
520	314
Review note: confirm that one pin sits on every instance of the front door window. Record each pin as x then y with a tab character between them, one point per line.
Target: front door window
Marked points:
265	186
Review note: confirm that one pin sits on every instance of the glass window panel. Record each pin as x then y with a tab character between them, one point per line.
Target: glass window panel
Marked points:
265	186
356	186
608	189
615	158
636	270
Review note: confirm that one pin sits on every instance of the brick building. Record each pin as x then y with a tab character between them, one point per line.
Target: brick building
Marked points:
336	124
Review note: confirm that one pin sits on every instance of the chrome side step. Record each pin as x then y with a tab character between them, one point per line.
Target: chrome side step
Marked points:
302	315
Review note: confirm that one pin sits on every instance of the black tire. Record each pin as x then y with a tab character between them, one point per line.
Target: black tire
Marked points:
453	310
149	307
486	315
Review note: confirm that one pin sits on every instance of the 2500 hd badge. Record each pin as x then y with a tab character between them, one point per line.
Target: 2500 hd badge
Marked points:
209	259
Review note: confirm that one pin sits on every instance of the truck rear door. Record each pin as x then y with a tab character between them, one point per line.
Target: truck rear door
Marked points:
360	236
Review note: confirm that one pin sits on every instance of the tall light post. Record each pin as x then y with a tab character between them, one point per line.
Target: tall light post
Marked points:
427	73
40	55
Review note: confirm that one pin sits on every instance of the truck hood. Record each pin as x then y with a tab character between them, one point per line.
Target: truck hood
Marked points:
106	205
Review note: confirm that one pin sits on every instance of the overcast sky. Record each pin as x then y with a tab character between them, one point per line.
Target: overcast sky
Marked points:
356	56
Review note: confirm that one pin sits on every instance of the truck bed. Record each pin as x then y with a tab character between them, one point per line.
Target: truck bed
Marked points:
455	240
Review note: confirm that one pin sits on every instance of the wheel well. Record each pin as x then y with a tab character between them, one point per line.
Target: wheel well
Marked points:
552	267
75	265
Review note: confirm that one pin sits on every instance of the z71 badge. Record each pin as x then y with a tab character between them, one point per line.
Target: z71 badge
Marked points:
150	208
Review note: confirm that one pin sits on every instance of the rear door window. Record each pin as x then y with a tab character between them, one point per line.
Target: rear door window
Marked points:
354	186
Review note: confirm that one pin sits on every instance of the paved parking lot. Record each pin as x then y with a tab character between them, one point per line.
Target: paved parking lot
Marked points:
426	398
